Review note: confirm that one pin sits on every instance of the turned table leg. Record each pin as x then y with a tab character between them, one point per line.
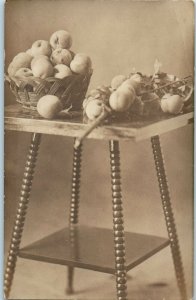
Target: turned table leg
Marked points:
21	212
119	240
169	216
74	208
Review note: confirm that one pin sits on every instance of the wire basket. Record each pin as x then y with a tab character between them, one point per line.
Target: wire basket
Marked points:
71	90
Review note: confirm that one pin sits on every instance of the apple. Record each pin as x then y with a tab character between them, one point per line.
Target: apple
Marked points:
121	99
117	81
81	63
49	106
61	56
23	57
94	93
93	109
128	84
61	39
136	77
172	104
86	101
21	60
42	68
38	57
62	71
164	105
28	51
24	72
136	81
41	47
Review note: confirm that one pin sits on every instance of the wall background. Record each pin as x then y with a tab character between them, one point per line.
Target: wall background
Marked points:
118	36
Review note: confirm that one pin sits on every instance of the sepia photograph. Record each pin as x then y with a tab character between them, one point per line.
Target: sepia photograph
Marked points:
99	149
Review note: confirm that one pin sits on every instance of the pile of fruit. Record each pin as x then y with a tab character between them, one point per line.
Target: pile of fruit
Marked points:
138	95
49	59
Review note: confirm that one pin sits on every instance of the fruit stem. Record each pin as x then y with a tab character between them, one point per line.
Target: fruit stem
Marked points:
165	85
105	113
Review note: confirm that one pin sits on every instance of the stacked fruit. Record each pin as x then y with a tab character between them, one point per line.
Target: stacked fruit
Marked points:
140	95
137	95
47	59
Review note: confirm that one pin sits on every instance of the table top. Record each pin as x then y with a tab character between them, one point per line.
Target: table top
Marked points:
136	128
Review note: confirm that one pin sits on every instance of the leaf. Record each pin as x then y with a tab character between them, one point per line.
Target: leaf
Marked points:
157	66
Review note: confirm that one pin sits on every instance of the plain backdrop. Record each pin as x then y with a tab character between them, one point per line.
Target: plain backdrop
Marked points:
119	36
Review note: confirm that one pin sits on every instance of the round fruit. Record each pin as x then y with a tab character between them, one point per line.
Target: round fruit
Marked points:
164	105
81	63
21	60
49	106
41	47
62	71
174	103
61	39
61	56
122	99
93	109
136	81
38	57
42	68
136	77
117	81
24	72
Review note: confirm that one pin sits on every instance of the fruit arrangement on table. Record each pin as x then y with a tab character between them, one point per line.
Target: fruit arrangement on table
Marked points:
49	77
137	96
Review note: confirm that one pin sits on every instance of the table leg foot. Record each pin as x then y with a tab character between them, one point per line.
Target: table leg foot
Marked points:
118	227
70	275
74	209
169	216
21	212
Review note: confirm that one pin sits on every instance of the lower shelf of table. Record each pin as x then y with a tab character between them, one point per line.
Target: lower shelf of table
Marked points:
92	248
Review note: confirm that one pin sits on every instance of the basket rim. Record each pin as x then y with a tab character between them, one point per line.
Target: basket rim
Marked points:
30	79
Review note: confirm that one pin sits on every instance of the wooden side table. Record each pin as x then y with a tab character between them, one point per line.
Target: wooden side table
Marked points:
82	246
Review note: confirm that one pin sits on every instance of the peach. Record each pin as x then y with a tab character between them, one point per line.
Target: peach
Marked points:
41	47
117	81
121	99
42	68
62	71
93	109
28	51
61	39
128	84
61	56
24	72
49	106
81	63
21	60
38	57
172	104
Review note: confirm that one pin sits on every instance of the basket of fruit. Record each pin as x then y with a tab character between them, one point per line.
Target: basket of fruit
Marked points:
137	97
50	75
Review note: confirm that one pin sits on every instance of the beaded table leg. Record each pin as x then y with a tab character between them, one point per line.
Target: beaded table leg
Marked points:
119	240
74	206
169	217
21	212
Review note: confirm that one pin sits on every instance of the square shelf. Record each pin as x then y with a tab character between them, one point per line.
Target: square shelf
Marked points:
92	248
